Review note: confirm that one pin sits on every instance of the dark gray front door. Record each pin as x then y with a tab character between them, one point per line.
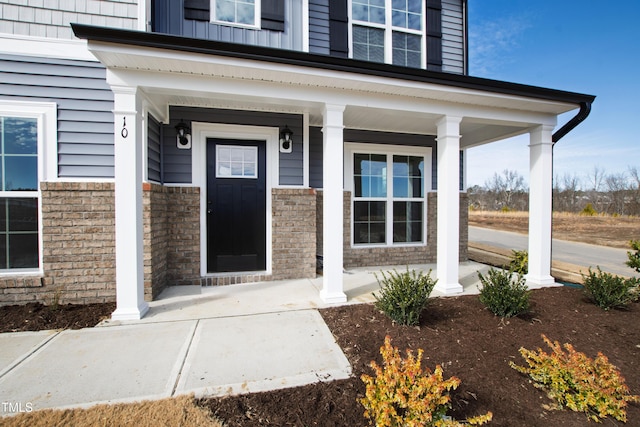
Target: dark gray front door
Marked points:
236	205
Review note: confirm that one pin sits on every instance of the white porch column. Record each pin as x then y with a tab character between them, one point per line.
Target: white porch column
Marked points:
333	205
448	256
128	149
540	208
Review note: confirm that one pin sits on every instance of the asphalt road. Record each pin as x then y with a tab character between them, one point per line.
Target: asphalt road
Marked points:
611	260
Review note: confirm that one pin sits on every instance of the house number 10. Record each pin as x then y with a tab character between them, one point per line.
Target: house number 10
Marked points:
124	132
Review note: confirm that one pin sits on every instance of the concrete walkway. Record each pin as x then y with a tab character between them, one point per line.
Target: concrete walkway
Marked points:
208	341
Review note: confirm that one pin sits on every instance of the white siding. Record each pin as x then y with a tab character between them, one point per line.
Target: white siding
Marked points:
452	36
39	18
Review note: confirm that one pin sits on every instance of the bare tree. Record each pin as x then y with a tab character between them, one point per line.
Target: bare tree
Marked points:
566	196
595	180
617	187
634	190
505	188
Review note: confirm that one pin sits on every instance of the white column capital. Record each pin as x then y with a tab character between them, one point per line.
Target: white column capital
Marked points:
541	135
333	115
449	126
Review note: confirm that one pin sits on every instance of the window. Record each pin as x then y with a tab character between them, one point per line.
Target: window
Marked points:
27	133
19	242
389	31
388	189
236	161
239	12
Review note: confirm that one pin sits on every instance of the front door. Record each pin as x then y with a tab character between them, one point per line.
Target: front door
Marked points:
236	205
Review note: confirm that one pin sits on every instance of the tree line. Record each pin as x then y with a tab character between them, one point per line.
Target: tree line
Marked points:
595	193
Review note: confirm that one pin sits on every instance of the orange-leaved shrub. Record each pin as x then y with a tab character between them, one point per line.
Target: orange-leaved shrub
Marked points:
402	394
577	382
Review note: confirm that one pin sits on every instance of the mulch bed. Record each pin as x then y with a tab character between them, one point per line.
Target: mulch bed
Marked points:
470	343
456	332
36	316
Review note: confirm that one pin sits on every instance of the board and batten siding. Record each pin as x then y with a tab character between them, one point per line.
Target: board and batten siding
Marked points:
85	105
52	18
176	164
453	45
169	18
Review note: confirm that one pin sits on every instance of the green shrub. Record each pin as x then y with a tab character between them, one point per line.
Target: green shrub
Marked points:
609	291
634	257
575	381
589	210
519	262
402	394
403	296
505	209
504	292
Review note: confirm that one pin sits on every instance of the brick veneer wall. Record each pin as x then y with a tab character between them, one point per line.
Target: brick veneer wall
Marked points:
294	233
171	237
360	257
78	234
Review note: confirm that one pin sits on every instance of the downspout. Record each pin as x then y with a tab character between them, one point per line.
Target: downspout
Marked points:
585	109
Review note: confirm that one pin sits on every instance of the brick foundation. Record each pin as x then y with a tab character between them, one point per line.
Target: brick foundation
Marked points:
171	237
361	257
78	234
294	233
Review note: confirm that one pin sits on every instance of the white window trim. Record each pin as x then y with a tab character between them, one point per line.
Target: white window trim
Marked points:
200	132
350	149
254	26
389	28
46	115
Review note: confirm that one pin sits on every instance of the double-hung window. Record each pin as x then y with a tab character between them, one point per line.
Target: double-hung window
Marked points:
238	12
389	189
24	127
390	31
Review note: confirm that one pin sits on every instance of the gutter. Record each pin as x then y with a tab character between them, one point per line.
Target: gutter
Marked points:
585	109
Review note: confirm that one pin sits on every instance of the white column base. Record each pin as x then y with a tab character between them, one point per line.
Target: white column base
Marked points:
539	281
129	313
448	288
329	297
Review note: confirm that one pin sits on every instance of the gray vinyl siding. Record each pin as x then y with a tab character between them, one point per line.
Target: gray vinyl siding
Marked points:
319	26
370	137
85	104
176	163
170	20
52	18
154	153
452	36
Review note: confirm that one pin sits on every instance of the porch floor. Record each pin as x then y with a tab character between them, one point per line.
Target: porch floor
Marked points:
196	302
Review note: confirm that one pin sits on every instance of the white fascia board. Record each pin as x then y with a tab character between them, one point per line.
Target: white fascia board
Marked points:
313	96
45	47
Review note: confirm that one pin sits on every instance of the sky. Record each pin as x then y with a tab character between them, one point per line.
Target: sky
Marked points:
584	46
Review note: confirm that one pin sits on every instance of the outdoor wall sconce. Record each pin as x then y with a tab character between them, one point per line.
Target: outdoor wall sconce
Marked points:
183	138
286	144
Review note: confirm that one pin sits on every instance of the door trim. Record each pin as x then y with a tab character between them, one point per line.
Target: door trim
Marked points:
200	133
